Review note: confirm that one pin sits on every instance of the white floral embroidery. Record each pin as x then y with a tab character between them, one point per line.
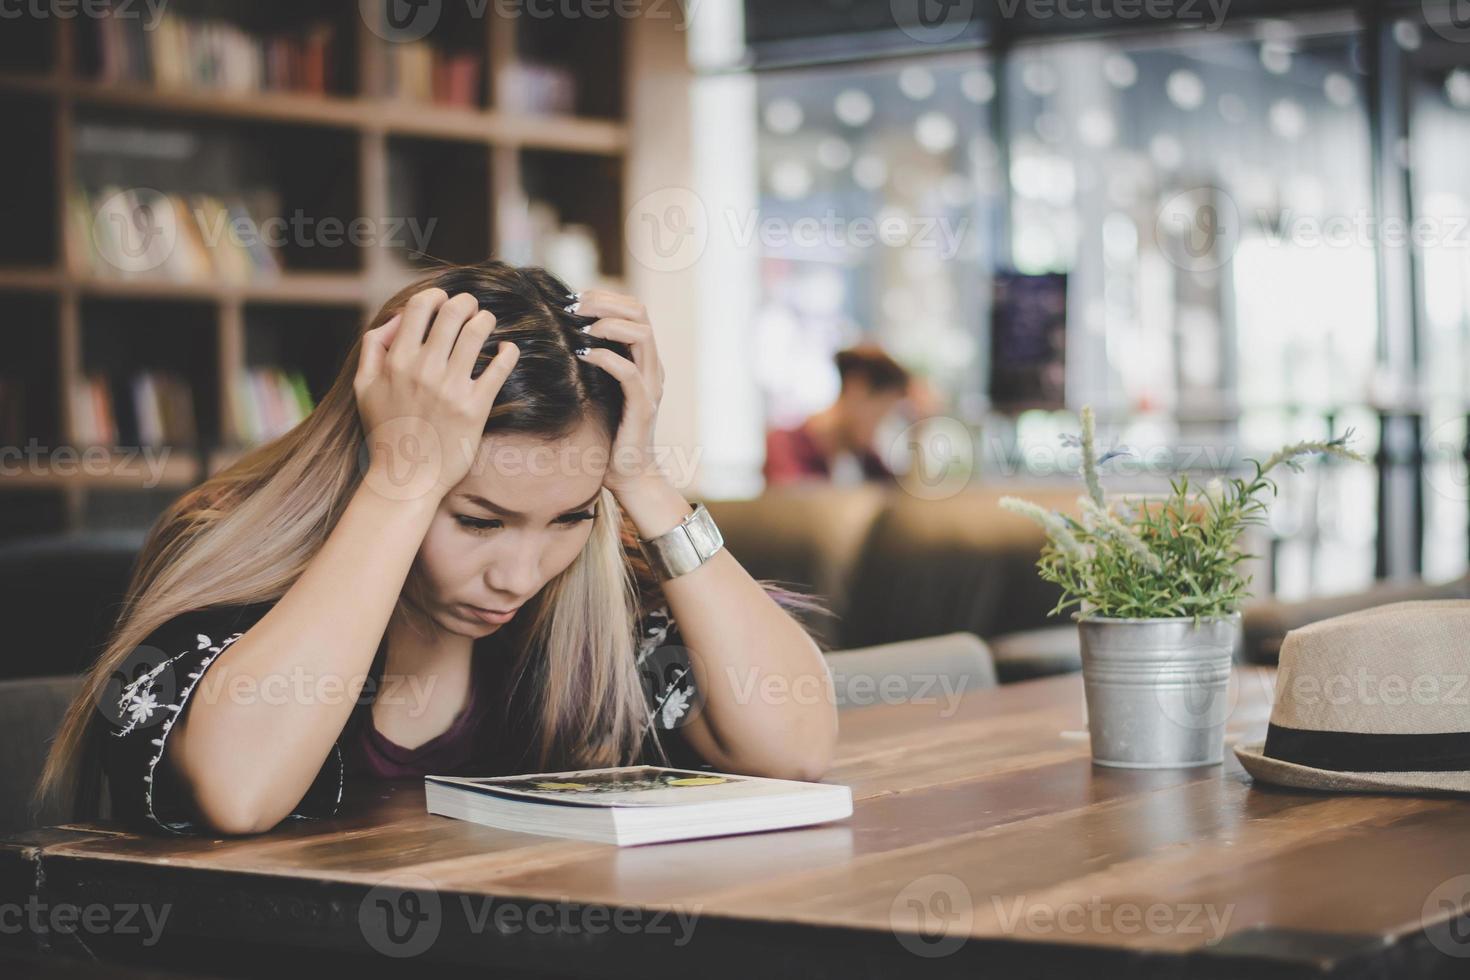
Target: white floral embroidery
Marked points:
138	700
202	640
655	632
674	707
168	724
141	708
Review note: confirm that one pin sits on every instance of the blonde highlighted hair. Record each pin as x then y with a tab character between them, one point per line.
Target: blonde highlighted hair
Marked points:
246	534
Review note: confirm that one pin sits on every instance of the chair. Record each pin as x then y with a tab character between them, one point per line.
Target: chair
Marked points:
59	596
805	536
933	667
958	564
1042	652
30	714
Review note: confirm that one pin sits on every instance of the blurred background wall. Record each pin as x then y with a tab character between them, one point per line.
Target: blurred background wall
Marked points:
1224	225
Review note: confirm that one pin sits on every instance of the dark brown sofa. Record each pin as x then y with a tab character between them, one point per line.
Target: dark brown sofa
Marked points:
895	567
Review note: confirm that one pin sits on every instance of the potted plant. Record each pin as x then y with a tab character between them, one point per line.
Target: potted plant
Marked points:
1157	585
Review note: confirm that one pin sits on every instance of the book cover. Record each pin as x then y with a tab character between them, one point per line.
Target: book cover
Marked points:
626	786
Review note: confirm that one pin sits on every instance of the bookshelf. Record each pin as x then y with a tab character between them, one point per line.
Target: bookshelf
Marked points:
135	320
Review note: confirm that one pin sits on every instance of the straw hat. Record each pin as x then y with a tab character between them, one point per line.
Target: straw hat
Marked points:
1375	701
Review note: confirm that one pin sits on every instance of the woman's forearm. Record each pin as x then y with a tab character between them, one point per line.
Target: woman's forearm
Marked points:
248	756
767	706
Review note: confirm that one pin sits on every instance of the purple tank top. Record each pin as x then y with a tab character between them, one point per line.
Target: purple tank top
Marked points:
468	746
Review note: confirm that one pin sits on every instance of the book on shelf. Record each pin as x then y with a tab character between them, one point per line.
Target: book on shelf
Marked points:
417	71
636	804
138	233
536	88
159	411
212	54
92	419
269	402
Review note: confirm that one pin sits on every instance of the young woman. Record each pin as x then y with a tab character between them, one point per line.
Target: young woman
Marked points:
453	565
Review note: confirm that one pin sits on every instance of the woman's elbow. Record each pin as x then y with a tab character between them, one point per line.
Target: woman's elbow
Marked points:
808	766
233	813
226	804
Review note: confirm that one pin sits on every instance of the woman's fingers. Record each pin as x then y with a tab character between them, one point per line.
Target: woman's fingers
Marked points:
488	384
375	343
417	314
623	318
639	338
390	329
450	319
602	303
625	371
471	341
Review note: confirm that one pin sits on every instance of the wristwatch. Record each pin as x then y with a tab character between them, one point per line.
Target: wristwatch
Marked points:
684	547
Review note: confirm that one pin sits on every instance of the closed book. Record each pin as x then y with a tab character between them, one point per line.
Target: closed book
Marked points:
636	804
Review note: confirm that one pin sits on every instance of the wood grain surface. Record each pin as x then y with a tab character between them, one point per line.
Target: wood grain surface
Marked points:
983	842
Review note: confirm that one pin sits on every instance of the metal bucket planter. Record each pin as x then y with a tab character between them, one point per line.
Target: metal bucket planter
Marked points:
1157	690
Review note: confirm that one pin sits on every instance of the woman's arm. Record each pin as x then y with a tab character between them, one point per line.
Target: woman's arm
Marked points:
768	707
247	759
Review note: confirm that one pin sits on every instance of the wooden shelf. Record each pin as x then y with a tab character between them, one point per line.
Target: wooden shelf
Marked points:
329	156
285	107
392	116
296	287
32	279
180	470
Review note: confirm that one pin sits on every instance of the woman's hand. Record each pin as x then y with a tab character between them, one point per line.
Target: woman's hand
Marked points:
622	318
422	412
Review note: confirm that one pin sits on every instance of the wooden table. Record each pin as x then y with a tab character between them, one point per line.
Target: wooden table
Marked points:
983	843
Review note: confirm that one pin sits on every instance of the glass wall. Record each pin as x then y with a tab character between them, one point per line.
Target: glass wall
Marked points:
1439	156
1210	196
880	202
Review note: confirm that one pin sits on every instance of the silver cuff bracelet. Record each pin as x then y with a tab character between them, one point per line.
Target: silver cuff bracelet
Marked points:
686	546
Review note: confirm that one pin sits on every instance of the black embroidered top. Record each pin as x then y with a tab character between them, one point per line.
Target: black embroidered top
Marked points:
153	688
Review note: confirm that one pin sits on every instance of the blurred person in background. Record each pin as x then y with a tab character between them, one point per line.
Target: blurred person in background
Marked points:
836	444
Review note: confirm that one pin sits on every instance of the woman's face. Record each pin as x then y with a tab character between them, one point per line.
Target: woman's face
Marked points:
518	520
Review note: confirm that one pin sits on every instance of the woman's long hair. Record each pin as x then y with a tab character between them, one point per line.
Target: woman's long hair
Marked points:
247	533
